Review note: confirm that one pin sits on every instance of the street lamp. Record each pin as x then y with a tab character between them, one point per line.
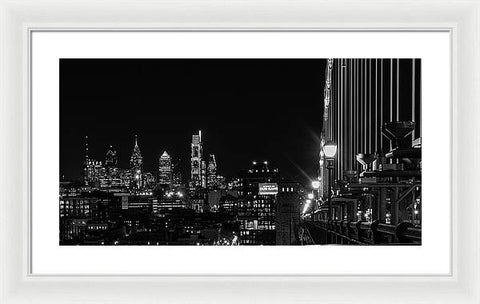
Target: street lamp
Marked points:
330	150
316	188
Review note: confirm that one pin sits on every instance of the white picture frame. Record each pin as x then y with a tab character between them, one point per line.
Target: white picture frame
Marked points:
18	18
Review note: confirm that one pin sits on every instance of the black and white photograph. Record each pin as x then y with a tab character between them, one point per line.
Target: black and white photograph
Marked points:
240	152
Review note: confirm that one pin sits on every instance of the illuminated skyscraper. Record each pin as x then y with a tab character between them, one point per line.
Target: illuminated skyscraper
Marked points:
196	161
136	165
111	159
176	176
165	169
111	178
212	173
92	169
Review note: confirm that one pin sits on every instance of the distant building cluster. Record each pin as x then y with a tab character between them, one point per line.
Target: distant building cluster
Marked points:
108	175
130	206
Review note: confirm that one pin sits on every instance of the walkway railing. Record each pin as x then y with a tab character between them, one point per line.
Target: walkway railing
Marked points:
362	233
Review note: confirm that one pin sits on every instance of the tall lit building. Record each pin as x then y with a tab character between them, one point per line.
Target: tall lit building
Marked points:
165	169
111	159
136	165
196	180
212	181
111	178
92	169
176	176
111	164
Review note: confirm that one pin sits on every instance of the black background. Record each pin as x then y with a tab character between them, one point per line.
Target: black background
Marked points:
247	109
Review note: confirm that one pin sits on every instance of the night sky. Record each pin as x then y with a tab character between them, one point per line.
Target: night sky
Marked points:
247	109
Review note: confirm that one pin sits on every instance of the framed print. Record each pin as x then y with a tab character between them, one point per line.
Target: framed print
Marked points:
184	157
160	207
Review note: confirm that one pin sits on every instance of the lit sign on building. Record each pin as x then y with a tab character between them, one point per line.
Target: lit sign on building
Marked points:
267	189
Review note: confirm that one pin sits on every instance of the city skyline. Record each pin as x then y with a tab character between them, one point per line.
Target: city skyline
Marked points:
148	97
345	169
166	168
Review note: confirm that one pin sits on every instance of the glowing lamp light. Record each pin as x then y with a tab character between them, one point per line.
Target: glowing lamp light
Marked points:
310	196
315	184
330	149
306	206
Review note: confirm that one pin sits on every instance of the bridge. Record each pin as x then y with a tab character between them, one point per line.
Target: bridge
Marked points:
358	233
